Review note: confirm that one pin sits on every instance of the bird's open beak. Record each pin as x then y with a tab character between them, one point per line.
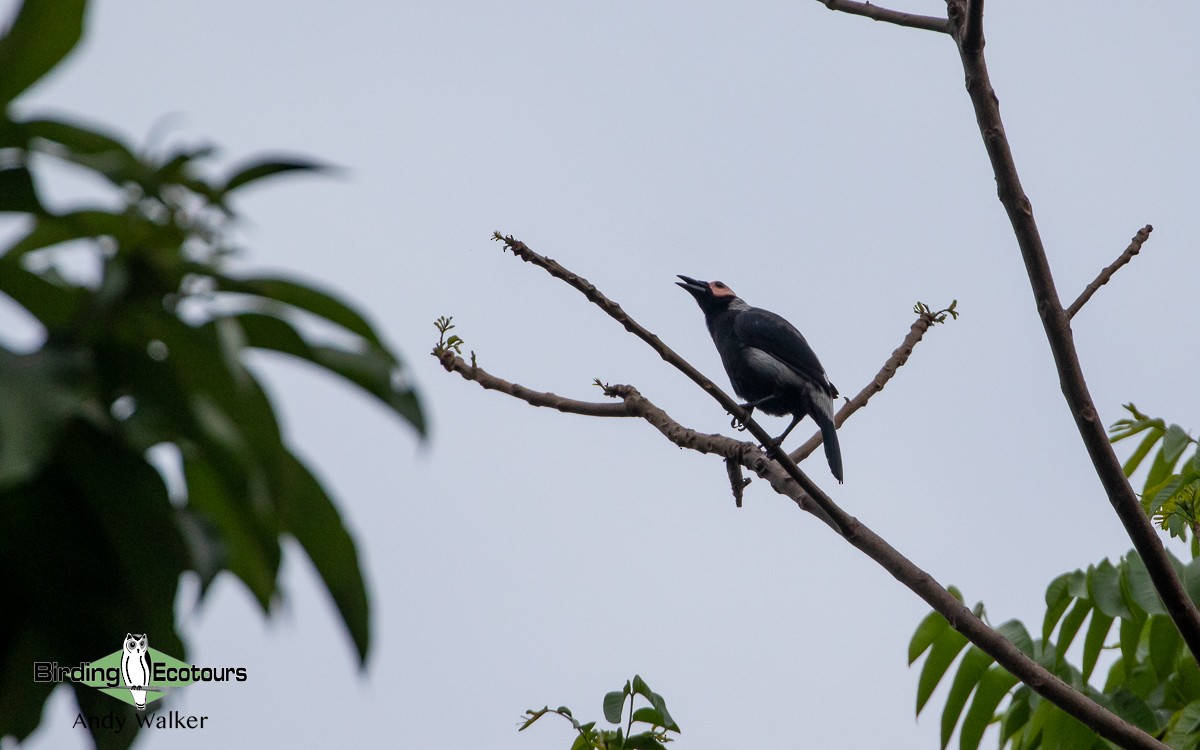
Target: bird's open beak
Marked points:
693	286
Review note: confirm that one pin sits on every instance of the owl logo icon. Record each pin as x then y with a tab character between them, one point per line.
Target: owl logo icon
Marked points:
135	667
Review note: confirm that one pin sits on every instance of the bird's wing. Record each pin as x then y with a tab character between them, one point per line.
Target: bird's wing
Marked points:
774	335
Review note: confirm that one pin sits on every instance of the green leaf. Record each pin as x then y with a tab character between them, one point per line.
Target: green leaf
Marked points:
1136	711
1043	710
1182	732
1154	498
1094	641
257	170
643	741
43	33
660	705
1130	634
1140	586
1135	460
1016	716
927	632
1065	732
1015	632
1058	598
581	742
1135	611
941	655
53	305
304	297
648	715
992	688
250	541
1175	440
639	687
41	392
77	138
1104	588
52	230
1160	469
17	193
372	370
1077	584
1186	677
1116	676
307	513
614	706
23	697
142	520
1071	624
1165	644
1191	580
970	670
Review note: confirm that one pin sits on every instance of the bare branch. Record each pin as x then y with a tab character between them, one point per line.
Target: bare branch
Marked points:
973	33
1135	246
633	404
455	363
876	13
915	333
522	251
793	483
1056	323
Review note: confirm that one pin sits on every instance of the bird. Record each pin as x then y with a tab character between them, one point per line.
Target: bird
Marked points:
769	363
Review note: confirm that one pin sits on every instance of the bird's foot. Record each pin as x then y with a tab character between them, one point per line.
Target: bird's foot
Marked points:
773	443
736	423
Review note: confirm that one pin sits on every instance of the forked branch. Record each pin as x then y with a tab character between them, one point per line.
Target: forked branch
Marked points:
787	479
1056	322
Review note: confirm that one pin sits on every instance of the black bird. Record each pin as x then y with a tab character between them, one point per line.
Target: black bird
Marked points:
769	363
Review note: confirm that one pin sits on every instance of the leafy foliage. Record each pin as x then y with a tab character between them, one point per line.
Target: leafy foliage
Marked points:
1170	497
135	443
1153	682
452	344
588	737
938	316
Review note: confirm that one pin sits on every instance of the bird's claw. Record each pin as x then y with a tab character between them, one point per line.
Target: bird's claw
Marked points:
775	443
737	425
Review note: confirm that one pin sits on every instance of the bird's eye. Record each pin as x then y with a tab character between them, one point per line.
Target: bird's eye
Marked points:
719	285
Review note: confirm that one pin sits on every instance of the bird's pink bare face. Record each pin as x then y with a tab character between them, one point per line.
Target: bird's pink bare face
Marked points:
719	289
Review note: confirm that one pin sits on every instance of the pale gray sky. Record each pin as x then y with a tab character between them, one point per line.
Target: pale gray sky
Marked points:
828	168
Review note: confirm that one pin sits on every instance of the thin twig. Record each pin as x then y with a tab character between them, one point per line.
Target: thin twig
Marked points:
1057	326
900	18
915	333
1135	246
454	363
1044	682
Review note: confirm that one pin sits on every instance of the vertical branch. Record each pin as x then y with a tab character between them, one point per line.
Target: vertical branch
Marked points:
1057	326
972	37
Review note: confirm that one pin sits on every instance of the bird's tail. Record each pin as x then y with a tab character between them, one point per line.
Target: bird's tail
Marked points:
833	450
